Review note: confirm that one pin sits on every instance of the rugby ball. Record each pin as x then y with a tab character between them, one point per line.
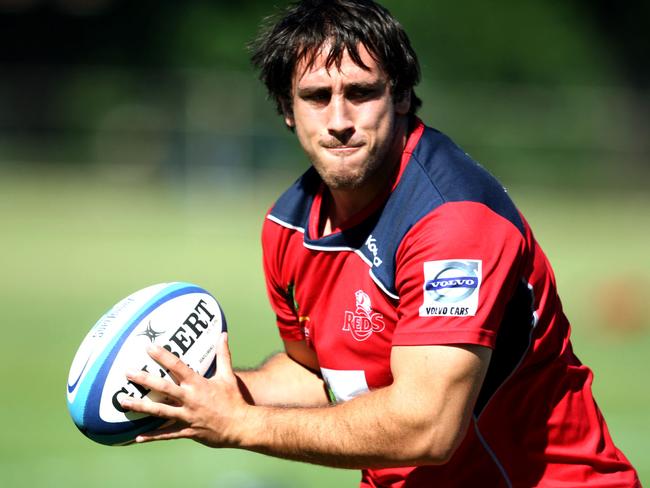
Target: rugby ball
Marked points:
181	317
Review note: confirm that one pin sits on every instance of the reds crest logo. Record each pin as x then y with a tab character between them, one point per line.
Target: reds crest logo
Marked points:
363	321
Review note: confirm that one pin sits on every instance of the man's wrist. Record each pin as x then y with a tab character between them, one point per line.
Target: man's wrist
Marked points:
248	427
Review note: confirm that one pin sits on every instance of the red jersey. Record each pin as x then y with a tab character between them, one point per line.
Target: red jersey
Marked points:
445	258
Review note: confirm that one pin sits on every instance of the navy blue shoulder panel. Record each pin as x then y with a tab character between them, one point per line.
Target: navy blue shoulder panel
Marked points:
438	172
293	207
456	177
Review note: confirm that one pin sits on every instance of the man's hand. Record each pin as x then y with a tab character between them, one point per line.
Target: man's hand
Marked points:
200	409
419	419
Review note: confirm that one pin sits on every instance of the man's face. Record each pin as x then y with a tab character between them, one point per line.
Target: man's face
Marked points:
345	120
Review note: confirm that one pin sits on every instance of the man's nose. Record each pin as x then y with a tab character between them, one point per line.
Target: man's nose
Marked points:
340	123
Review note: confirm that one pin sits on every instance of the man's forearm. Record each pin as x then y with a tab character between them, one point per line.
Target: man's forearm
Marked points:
419	419
377	429
282	381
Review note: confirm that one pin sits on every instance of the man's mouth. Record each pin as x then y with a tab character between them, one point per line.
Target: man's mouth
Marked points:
342	148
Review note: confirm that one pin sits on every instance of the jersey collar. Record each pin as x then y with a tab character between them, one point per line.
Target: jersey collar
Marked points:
347	236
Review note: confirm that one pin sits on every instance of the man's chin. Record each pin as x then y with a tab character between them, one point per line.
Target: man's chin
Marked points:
343	181
346	175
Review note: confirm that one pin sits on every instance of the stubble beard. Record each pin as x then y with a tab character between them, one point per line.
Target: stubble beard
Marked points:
351	180
377	163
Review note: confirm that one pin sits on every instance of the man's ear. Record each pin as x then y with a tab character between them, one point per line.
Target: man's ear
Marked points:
403	102
287	112
288	119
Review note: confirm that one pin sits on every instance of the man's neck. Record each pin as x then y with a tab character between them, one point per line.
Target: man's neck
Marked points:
340	205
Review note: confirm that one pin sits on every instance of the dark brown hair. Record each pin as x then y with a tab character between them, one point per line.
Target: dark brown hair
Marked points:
303	27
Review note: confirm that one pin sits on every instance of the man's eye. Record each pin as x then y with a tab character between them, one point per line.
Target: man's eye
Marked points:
317	97
362	94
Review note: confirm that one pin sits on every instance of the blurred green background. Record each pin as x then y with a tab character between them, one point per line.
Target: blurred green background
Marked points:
137	147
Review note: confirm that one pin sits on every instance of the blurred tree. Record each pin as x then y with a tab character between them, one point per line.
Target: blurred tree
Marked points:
624	26
510	40
58	61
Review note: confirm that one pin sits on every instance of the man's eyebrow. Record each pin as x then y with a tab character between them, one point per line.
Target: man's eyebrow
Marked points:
366	86
306	91
357	85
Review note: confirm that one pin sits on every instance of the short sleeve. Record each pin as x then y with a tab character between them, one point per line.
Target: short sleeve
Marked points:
456	271
275	240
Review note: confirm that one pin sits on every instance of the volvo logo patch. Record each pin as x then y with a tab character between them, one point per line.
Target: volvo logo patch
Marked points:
451	288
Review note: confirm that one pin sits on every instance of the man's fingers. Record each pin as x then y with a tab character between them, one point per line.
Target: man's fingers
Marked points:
178	369
174	432
152	408
155	383
170	430
224	362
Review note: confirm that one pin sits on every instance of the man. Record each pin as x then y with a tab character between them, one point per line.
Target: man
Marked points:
425	342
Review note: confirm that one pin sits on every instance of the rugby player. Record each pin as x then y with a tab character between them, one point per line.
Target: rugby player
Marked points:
425	342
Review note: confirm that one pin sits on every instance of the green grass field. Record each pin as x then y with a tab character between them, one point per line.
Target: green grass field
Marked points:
72	247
